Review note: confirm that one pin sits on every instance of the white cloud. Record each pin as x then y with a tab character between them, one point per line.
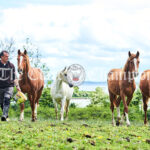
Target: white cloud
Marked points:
97	35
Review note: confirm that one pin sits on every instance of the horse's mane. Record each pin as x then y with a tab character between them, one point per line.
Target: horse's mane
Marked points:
58	81
58	76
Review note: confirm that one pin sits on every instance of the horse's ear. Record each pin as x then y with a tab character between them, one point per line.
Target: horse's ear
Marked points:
129	53
19	52
137	54
25	51
64	69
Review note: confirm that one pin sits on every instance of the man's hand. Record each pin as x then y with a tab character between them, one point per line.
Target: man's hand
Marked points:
18	89
17	85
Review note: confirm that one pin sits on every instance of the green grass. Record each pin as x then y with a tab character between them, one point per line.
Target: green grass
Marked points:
77	135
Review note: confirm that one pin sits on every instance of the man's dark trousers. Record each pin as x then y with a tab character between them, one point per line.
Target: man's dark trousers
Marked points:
5	96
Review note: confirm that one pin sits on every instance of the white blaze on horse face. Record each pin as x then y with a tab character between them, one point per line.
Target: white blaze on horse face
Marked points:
135	64
21	58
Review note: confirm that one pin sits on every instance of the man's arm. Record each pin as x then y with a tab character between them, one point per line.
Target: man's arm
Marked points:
17	85
16	82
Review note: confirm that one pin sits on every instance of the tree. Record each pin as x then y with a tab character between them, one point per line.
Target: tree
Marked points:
35	58
98	97
8	45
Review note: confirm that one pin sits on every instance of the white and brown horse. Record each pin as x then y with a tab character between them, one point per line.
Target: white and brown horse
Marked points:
121	84
31	81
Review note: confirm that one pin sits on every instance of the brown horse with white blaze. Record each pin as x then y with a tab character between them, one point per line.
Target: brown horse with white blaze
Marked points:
31	81
145	90
121	84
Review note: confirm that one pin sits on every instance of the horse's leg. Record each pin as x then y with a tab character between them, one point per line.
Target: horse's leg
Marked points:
35	110
30	97
63	102
145	102
37	102
22	112
22	108
56	108
67	108
32	103
125	109
112	101
118	110
129	98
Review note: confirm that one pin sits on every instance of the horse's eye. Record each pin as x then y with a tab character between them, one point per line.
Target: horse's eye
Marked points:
65	74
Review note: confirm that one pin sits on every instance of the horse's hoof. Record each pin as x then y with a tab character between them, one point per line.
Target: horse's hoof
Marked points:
21	120
146	124
33	120
113	124
117	123
128	124
66	118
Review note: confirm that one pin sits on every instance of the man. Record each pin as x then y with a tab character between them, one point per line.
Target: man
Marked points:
7	81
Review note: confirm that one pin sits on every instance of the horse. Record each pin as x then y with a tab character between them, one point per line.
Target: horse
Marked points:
61	92
31	81
121	84
145	90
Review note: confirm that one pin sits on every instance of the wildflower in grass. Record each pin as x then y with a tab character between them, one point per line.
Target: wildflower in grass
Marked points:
100	137
86	133
68	133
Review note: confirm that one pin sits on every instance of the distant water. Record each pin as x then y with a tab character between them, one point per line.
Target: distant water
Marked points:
81	102
91	86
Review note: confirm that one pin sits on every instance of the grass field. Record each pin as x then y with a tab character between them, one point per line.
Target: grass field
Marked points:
76	135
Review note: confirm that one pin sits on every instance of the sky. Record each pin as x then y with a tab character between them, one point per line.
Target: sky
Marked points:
96	34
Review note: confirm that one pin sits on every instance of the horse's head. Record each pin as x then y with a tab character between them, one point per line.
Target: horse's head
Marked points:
133	63
23	62
63	76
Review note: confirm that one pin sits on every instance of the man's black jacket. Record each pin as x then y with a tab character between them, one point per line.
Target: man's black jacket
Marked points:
7	75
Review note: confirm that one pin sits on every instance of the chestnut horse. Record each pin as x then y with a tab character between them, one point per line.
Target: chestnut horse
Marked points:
121	84
31	81
145	90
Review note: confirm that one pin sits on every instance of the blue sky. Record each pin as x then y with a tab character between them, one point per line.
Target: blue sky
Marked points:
94	33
